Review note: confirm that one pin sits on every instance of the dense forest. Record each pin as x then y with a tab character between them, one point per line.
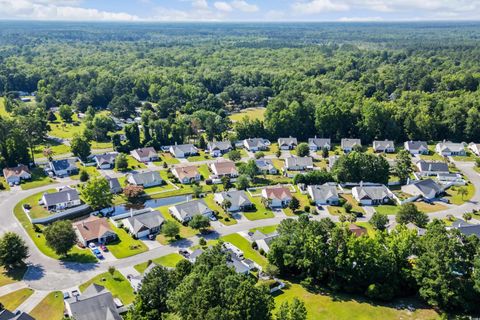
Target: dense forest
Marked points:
397	81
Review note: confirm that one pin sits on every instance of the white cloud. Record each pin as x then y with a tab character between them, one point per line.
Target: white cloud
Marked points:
318	6
223	6
167	14
272	15
200	4
244	6
360	19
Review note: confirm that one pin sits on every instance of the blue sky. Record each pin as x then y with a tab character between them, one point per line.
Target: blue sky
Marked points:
240	10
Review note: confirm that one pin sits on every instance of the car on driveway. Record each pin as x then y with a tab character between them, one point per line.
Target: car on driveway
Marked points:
92	246
103	248
66	295
97	253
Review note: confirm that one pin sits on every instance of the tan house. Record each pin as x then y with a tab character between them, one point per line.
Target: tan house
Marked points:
277	197
145	154
187	174
224	169
94	229
16	174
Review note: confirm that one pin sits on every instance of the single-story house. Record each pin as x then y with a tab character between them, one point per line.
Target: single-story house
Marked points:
386	146
256	144
277	197
95	302
217	148
348	144
183	150
63	199
319	143
192	257
427	189
145	154
242	266
432	168
287	143
114	184
467	228
64	167
238	199
410	226
18	315
263	240
372	195
94	229
450	177
145	179
144	224
187	174
16	174
416	147
325	194
224	169
475	148
184	212
298	163
266	166
105	161
448	148
357	230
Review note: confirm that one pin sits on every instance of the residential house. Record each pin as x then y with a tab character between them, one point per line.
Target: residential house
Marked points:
386	146
95	303
263	240
183	150
16	174
143	224
136	280
64	167
192	257
224	169
256	144
410	226
427	189
325	194
348	144
287	143
145	179
416	147
276	197
184	212
475	148
63	199
114	185
145	154
218	148
19	315
357	230
186	174
448	148
466	228
331	161
94	229
105	161
242	266
238	199
432	168
316	144
298	163
372	194
266	166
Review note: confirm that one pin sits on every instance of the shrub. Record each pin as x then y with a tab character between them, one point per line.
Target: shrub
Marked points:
202	241
306	208
83	176
254	245
261	251
347	206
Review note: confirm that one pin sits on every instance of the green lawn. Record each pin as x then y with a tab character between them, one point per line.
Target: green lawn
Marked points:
11	276
204	171
57	149
243	244
265	230
345	307
65	130
470	156
370	230
201	157
455	198
133	164
50	308
185	231
101	145
39	179
430	207
75	255
223	217
3	112
170	261
338	210
387	209
251	113
168	158
116	284
260	211
125	246
159	189
4	183
432	155
304	201
13	299
36	210
92	172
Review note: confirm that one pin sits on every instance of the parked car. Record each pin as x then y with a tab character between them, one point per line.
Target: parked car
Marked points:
213	218
152	236
66	295
103	248
75	293
92	246
97	253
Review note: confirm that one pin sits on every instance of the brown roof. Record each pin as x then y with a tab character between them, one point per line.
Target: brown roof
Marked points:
92	228
278	193
8	172
357	230
186	172
225	167
145	152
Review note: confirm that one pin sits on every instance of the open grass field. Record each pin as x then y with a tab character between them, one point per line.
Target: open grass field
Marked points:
251	113
223	217
11	276
170	261
65	130
116	284
344	307
243	244
13	299
50	308
125	246
260	212
454	196
39	179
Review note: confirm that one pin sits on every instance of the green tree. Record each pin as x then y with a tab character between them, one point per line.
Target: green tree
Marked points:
294	311
242	182
66	113
250	169
80	147
227	184
132	134
303	150
325	152
197	191
60	237
403	167
408	212
96	193
234	155
294	204
121	162
379	221
13	251
358	166
170	229
199	222
83	176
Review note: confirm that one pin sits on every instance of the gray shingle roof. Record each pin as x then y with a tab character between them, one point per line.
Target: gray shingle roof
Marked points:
189	209
256	143
323	192
373	192
350	143
415	145
146	178
65	195
114	184
95	303
184	148
63	164
237	198
108	158
451	146
291	142
434	166
383	144
219	145
298	161
264	164
426	187
146	221
145	152
319	142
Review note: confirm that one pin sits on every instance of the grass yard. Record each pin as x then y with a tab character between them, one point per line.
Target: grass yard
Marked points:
65	130
304	201
133	164
344	307
244	245
243	153
170	261
75	255
370	230
260	211
39	179
57	149
456	198
278	163
92	172
432	155
387	209
50	308
430	207
339	210
223	217
3	112
201	157
265	230
272	149
14	299
159	189
101	145
168	158
11	276
116	284
204	171
185	231
470	156
251	113
125	246
4	183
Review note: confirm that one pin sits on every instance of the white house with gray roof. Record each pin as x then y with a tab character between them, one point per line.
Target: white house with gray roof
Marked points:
432	168
298	163
144	224
146	179
256	144
427	189
266	166
184	212
386	146
95	303
287	143
238	199
319	144
183	150
372	195
218	148
475	148
145	154
448	148
63	199
416	147
349	144
64	167
325	194
105	161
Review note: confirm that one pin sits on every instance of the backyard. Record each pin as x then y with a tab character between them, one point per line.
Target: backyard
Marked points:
50	308
116	284
260	211
125	246
169	261
13	299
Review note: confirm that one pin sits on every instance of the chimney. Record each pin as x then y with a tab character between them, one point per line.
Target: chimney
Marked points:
131	212
361	183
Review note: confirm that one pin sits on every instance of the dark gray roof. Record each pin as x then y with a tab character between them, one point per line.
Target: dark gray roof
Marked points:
107	158
432	166
147	177
146	221
114	184
415	145
460	223
65	195
320	142
236	197
264	164
195	254
473	229
7	315
219	145
62	164
287	141
95	303
373	192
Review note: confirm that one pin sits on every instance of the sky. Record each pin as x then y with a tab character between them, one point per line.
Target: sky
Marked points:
240	10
